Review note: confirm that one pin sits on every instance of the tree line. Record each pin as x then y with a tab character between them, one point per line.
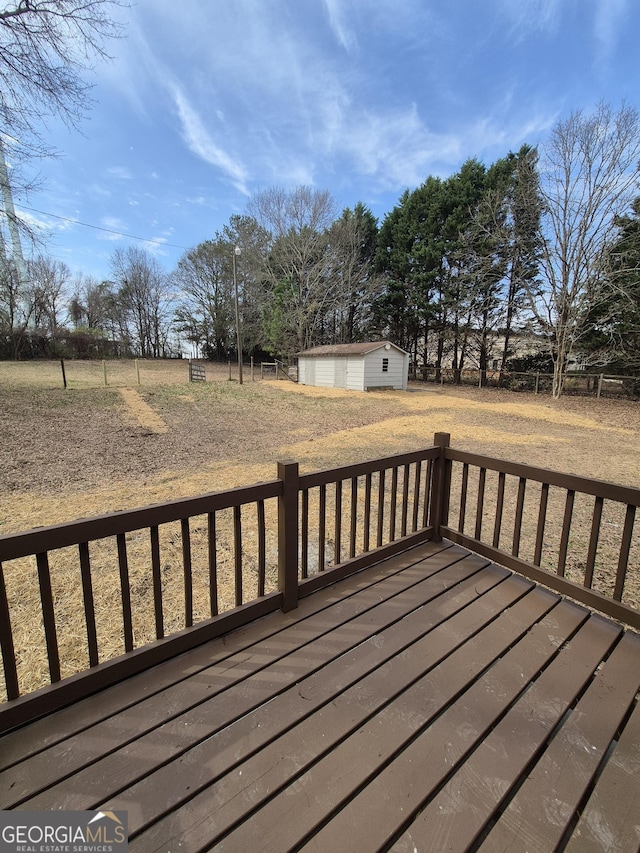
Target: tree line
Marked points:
542	244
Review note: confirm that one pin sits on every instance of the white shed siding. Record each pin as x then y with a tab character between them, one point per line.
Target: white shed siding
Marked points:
356	371
394	377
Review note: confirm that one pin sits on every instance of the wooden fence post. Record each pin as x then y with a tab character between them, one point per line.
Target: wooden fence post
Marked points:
440	486
64	375
600	381
288	535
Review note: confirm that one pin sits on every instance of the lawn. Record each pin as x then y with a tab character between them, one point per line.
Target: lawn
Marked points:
92	449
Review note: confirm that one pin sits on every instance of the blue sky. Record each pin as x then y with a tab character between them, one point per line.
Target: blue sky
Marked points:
209	101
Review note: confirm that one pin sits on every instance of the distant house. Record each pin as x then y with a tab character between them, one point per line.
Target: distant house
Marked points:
358	367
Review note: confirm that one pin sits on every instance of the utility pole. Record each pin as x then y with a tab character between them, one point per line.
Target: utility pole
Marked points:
236	253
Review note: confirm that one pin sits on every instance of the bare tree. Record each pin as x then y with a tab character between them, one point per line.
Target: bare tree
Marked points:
297	265
144	300
205	315
16	310
48	281
46	48
92	304
589	175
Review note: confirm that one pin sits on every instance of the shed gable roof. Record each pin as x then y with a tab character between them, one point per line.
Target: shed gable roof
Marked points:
348	349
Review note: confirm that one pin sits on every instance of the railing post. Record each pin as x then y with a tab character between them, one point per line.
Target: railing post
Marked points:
288	535
440	483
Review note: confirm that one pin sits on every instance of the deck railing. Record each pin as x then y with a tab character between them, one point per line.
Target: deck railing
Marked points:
573	534
120	592
106	597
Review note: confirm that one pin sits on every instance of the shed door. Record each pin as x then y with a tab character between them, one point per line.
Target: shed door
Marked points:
340	373
309	371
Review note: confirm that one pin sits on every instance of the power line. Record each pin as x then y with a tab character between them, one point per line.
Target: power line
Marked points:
100	228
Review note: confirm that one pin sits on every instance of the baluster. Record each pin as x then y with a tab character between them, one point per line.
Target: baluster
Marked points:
89	608
367	512
427	493
48	616
6	643
188	572
337	525
237	553
393	504
157	581
463	496
416	496
625	547
125	592
380	508
517	527
262	547
213	563
304	566
593	542
405	502
497	527
354	517
566	527
480	504
542	518
322	522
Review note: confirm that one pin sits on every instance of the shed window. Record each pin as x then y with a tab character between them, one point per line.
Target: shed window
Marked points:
385	365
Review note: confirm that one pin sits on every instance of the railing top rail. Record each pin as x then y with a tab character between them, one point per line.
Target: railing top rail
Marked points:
586	485
41	539
333	475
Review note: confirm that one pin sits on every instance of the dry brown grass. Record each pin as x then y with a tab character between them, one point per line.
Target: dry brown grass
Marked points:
93	449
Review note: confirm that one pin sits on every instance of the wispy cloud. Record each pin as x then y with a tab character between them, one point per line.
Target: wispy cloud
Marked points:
115	228
337	20
200	142
531	16
155	246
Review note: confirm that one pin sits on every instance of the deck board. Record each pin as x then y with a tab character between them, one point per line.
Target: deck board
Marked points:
431	702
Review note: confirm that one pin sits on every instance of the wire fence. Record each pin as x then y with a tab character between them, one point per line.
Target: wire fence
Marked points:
114	373
577	383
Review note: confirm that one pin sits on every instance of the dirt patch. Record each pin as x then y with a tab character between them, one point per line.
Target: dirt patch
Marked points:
141	412
81	452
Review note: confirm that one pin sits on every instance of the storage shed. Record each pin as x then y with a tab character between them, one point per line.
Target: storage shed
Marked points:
358	367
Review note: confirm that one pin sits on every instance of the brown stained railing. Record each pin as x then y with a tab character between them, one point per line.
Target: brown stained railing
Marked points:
329	524
550	540
88	537
383	502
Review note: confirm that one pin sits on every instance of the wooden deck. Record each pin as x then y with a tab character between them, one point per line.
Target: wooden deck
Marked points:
432	702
